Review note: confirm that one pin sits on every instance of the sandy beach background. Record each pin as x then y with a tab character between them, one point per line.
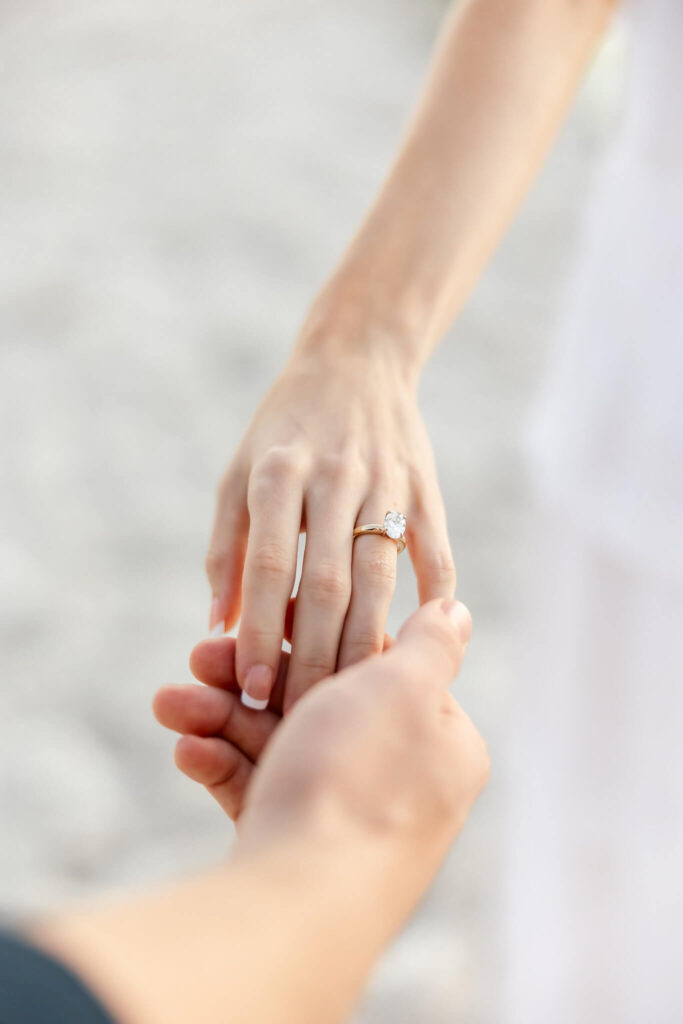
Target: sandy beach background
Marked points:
176	180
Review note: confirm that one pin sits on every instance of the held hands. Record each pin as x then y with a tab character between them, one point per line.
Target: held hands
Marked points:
336	443
381	750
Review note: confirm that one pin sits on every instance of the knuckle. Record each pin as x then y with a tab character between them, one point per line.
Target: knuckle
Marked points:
333	466
329	583
386	484
443	569
315	663
271	561
365	641
260	640
386	468
337	472
280	464
419	481
354	467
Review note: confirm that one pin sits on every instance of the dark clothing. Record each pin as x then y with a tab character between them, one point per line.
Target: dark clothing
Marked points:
35	989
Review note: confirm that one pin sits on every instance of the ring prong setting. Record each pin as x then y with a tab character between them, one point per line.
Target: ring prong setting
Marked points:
394	524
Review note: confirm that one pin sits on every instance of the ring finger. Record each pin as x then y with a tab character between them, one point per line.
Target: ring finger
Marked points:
373	581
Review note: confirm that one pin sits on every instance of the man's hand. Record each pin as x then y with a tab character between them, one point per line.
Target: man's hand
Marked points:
381	749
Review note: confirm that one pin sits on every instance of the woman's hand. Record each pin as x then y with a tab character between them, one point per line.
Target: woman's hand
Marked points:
336	443
381	752
339	440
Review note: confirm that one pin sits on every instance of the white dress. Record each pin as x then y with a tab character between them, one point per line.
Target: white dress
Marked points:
594	915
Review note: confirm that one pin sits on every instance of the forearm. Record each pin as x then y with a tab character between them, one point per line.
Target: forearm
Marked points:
288	933
501	80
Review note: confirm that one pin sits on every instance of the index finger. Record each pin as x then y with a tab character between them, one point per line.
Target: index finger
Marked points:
212	662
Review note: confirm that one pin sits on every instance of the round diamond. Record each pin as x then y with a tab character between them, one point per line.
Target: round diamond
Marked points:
394	525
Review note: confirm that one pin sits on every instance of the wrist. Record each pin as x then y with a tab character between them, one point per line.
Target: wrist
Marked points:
319	912
351	321
329	862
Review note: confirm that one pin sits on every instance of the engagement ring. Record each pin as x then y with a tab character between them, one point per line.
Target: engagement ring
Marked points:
394	527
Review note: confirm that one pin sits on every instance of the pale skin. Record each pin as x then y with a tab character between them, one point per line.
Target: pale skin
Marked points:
344	820
339	439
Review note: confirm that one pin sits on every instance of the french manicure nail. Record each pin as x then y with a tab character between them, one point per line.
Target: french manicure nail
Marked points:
257	686
216	614
218	629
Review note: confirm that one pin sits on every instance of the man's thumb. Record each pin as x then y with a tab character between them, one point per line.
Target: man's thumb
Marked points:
436	636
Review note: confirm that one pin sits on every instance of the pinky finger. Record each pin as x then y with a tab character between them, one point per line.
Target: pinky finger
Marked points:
430	551
219	766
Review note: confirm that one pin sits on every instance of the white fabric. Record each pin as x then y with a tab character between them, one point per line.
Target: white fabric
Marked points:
594	919
594	927
607	436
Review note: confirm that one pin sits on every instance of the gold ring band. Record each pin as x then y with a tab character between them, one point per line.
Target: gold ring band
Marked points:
393	528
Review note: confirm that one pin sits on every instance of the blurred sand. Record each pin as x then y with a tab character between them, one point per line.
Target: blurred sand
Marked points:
176	181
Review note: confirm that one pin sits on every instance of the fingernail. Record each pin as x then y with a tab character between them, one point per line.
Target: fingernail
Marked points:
216	616
460	617
218	629
257	686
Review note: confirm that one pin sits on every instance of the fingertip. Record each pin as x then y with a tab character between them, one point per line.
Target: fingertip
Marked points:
253	702
195	660
217	616
212	661
257	687
157	705
460	617
162	701
437	634
186	752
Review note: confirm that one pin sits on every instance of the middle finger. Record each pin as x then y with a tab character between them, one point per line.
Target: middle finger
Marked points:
324	592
